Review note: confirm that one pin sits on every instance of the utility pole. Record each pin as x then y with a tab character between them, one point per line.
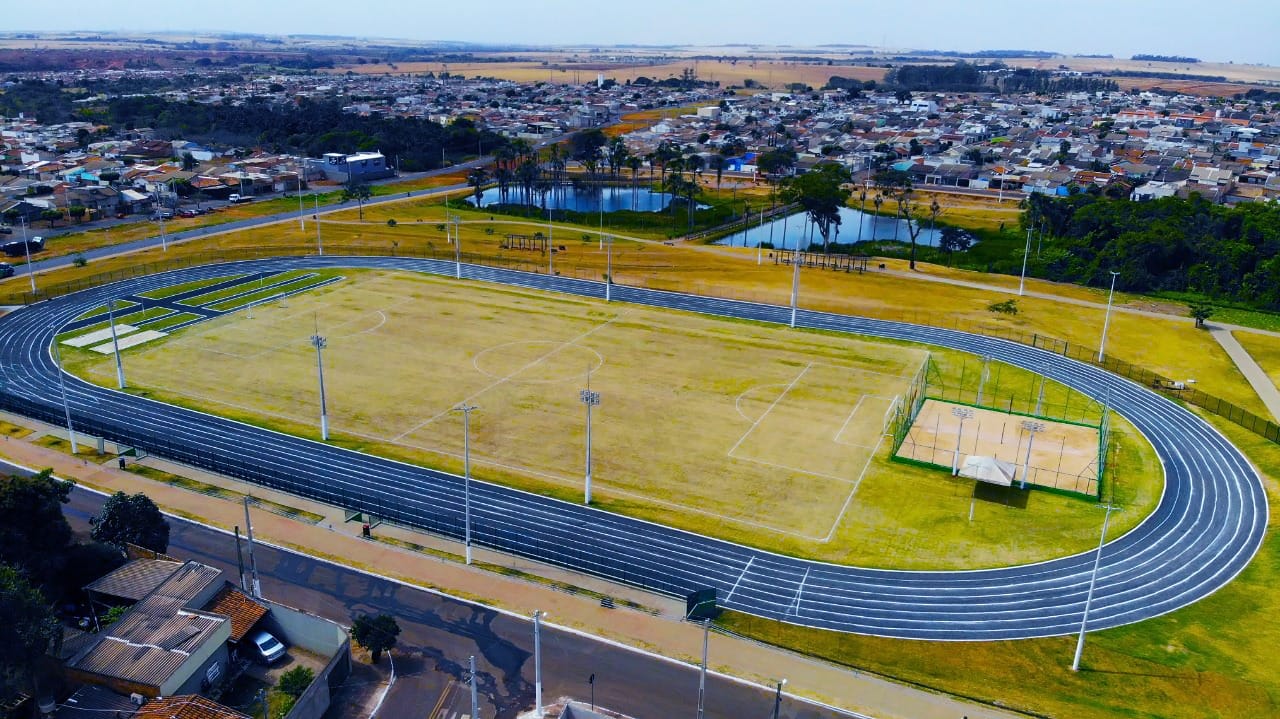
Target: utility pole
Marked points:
795	284
608	271
253	563
1022	282
456	221
551	245
319	242
302	219
590	399
240	561
1093	581
30	271
777	700
466	411
115	342
320	343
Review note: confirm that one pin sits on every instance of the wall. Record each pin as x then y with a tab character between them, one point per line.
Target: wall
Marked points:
321	636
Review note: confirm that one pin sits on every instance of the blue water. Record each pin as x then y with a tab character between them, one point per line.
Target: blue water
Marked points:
786	232
585	199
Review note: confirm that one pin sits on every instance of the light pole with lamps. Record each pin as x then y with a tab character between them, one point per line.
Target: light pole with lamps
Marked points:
537	662
320	343
66	406
1022	281
30	271
608	271
319	242
702	672
466	411
1093	581
961	413
456	221
795	284
115	343
1031	429
1106	322
590	399
777	700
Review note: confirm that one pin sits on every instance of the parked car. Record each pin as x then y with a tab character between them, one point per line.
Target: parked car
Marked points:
266	648
6	269
18	248
6	230
187	213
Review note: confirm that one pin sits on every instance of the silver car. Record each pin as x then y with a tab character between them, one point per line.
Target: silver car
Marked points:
266	648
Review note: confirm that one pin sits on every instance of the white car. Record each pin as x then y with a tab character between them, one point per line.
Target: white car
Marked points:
266	648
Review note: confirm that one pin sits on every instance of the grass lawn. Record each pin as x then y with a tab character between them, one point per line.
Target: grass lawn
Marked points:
769	436
1216	658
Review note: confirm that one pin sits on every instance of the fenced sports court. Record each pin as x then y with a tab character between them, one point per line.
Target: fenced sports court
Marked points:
1050	436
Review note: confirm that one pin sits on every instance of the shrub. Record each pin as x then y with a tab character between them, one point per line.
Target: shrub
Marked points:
391	222
80	260
1008	307
295	681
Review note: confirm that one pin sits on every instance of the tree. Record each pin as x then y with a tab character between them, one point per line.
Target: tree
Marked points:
34	535
189	162
28	631
1201	311
377	634
821	192
77	212
776	162
718	163
295	681
478	178
359	192
51	216
954	240
131	519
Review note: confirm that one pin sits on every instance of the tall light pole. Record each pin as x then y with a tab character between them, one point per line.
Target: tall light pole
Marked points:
466	411
702	672
319	242
30	271
551	245
302	217
164	238
1106	322
537	662
115	343
320	343
1088	600
456	221
795	284
608	271
777	700
66	406
590	399
1022	281
475	696
961	413
1031	429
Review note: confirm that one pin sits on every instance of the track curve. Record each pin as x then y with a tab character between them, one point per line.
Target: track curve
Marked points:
1208	524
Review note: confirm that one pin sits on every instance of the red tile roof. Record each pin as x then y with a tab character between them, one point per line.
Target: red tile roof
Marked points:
186	706
244	612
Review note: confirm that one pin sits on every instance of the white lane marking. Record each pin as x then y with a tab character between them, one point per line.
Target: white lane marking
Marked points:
740	576
775	402
795	606
848	419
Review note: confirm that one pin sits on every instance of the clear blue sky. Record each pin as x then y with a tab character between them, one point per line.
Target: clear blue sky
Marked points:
1224	30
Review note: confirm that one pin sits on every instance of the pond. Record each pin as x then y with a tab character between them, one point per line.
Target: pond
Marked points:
585	199
785	232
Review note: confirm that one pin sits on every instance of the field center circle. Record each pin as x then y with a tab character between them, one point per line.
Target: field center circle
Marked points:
537	361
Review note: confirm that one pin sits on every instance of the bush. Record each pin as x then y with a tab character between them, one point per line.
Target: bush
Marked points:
80	260
391	222
1008	307
295	681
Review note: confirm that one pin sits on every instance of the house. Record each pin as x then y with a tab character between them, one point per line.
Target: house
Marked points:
360	167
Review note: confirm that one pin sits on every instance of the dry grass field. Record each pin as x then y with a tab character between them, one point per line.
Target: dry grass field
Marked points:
747	432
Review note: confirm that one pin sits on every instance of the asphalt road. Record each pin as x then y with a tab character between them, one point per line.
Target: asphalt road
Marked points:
1207	526
439	634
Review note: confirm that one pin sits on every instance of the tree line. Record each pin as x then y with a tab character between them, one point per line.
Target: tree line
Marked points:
1166	245
993	77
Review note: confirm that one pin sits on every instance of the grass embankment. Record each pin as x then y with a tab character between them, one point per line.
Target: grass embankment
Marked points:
213	490
698	387
1216	658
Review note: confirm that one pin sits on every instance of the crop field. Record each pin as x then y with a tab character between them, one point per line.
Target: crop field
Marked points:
748	432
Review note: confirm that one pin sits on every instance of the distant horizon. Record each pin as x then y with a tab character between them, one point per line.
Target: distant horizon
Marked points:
1234	31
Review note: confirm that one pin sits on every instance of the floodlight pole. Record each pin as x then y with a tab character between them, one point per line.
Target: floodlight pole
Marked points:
115	343
608	271
982	378
1031	428
962	413
302	217
31	275
1022	282
456	221
466	411
551	246
320	343
319	242
795	284
590	399
537	662
1040	396
1088	600
1106	322
702	672
66	406
164	239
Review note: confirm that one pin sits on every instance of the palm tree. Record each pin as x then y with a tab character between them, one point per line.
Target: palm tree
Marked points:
875	219
478	178
718	163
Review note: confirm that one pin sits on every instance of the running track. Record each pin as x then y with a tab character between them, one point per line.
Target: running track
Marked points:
1209	522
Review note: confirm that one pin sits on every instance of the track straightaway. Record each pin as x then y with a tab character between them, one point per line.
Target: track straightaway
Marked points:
1208	524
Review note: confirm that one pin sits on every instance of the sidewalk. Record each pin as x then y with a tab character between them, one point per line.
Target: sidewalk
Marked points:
1249	367
339	541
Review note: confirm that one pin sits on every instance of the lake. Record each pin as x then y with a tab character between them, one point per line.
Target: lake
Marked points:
585	199
786	232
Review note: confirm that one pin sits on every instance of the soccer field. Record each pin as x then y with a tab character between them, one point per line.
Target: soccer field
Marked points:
735	422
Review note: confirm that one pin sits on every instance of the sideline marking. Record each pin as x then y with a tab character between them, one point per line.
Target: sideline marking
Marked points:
794	609
773	404
740	576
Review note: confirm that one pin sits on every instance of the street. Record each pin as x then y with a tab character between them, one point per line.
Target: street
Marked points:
438	634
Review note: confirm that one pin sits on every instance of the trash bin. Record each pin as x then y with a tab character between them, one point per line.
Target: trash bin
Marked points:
121	461
364	530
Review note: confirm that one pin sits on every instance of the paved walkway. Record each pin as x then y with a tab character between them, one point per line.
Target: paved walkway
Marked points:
1249	367
336	539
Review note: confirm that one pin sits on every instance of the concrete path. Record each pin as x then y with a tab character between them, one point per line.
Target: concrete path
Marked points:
1249	367
663	632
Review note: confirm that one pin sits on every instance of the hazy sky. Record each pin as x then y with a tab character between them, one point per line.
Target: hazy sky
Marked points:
1237	30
